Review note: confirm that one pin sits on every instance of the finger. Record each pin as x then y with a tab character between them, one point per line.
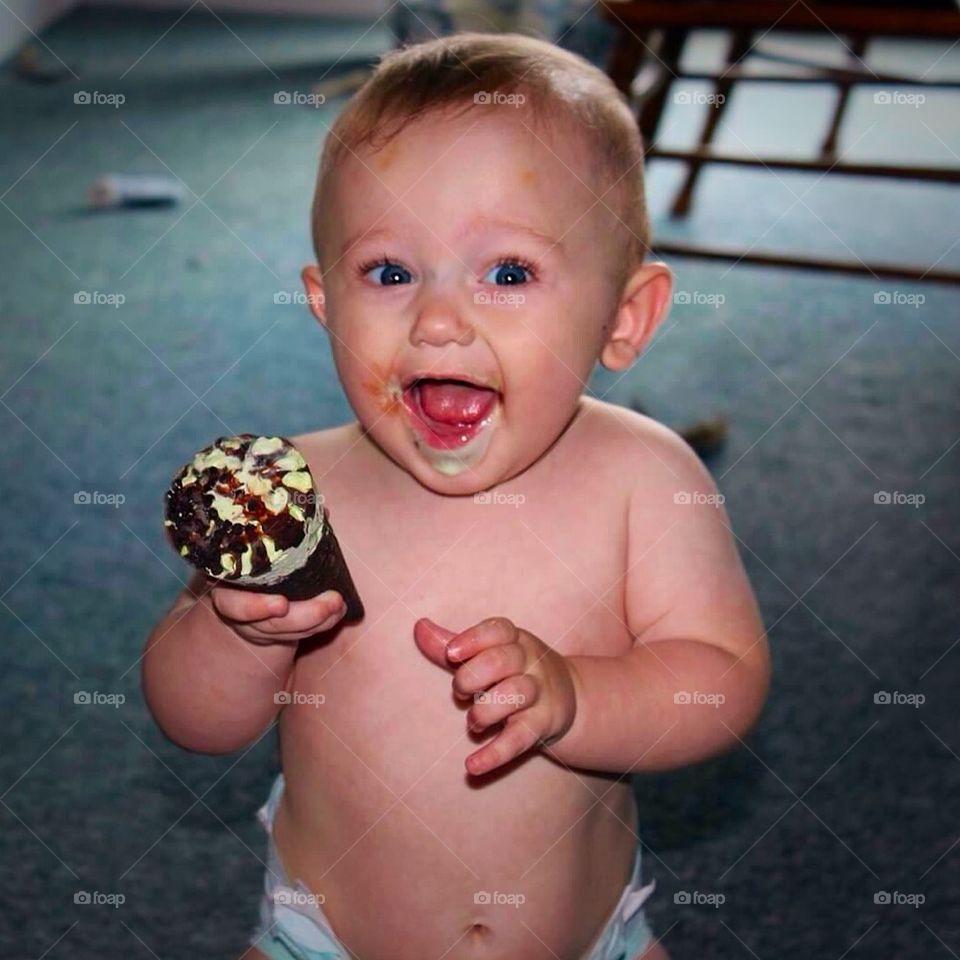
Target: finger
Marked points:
245	606
265	631
432	640
487	633
306	614
488	667
516	738
255	635
515	693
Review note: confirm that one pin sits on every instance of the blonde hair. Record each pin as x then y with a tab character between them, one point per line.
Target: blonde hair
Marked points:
448	73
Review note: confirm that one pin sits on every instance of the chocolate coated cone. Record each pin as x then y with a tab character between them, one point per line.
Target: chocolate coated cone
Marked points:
325	570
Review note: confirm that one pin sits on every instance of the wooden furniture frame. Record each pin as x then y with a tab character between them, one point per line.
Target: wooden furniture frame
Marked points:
645	61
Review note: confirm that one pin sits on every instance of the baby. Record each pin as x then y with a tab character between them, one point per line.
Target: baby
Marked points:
554	600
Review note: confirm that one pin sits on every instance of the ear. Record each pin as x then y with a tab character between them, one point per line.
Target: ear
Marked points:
313	285
644	305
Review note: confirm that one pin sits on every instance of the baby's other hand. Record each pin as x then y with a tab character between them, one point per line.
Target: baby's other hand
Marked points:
511	676
271	618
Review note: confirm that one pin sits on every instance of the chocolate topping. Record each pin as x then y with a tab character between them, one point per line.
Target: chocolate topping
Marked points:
239	504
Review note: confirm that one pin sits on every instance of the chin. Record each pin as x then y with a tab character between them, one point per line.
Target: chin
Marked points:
450	475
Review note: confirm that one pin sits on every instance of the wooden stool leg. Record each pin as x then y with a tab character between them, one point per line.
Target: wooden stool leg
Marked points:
624	59
668	54
740	43
828	149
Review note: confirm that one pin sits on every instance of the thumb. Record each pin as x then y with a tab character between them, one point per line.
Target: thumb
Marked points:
432	639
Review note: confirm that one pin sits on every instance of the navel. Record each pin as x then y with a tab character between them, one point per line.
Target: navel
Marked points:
479	932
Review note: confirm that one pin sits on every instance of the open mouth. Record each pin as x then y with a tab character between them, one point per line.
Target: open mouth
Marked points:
448	412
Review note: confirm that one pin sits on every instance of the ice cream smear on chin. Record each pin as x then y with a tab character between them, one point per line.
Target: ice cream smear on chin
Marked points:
244	510
451	419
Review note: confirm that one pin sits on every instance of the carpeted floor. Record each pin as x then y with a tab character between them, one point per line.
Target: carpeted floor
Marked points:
832	397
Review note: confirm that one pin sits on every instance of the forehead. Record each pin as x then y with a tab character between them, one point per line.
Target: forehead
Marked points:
495	162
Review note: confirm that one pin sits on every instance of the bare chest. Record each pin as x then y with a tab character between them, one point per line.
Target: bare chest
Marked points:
374	765
552	562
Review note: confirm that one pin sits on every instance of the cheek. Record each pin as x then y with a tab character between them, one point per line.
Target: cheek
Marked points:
364	365
561	345
543	384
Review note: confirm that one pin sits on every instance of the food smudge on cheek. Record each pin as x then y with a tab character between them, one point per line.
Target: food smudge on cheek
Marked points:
384	388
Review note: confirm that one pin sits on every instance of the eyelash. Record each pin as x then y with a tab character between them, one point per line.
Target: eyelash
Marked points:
364	268
509	260
518	261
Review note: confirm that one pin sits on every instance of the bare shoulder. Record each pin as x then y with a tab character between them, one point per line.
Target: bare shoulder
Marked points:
649	451
324	446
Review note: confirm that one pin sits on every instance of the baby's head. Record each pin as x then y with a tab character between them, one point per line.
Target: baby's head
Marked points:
480	217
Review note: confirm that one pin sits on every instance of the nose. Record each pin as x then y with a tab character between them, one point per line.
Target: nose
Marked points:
439	323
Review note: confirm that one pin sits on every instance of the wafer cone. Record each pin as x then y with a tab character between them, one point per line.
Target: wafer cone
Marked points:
325	569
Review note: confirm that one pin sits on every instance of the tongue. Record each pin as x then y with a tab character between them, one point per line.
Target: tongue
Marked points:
454	403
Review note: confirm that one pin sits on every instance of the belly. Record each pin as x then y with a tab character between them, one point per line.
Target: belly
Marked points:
413	856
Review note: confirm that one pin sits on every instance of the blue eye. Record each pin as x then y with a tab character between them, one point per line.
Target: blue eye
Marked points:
387	273
509	272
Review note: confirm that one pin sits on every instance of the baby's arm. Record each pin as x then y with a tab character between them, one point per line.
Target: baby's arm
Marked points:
696	678
213	665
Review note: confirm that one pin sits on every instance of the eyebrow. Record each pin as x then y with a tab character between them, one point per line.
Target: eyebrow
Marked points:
480	223
492	222
363	235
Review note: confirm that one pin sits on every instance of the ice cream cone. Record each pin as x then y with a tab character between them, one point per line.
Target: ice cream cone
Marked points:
245	511
325	569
